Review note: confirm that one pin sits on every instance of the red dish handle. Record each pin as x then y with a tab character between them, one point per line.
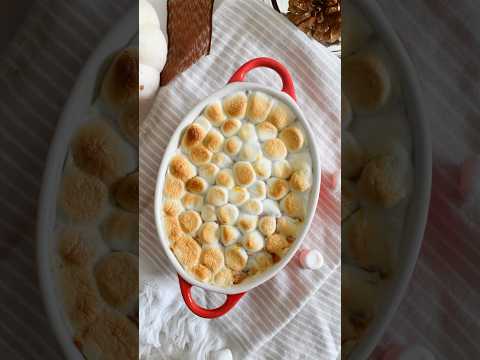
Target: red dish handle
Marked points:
186	290
271	64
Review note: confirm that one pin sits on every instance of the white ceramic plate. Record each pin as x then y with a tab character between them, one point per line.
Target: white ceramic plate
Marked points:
417	212
75	113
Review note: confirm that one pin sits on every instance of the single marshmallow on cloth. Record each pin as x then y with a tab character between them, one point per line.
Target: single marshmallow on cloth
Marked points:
310	259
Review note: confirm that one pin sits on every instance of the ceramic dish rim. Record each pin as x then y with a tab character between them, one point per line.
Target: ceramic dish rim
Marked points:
173	146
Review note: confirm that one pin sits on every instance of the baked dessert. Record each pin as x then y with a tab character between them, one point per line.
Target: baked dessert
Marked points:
237	188
96	252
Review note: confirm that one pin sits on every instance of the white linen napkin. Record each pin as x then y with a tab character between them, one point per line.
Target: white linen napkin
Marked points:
242	30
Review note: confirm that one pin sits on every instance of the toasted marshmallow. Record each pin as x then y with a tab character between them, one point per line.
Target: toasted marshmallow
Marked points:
267	225
213	141
192	136
209	172
217	196
231	127
350	202
263	168
247	132
247	223
293	205
126	192
258	190
213	259
383	182
225	178
229	235
293	138
353	156
192	201
172	228
271	208
253	207
174	188
120	231
253	241
94	342
288	226
282	169
227	214
244	173
261	262
238	195
369	241
274	149
203	122
277	188
181	168
281	116
209	233
232	146
259	105
83	198
266	131
202	273
75	247
250	151
301	180
215	114
367	82
235	106
300	161
120	85
277	244
200	155
190	221
99	151
208	213
123	267
172	207
222	160
197	185
224	278
236	258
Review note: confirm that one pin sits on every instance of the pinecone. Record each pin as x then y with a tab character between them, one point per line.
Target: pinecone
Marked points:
321	19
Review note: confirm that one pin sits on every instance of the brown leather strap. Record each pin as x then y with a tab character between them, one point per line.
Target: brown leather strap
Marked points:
189	27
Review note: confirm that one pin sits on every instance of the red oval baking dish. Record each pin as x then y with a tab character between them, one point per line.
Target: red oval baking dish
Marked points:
287	96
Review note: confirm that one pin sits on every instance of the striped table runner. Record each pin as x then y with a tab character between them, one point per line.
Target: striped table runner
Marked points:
244	30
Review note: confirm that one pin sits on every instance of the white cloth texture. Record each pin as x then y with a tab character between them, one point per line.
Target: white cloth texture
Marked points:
244	30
